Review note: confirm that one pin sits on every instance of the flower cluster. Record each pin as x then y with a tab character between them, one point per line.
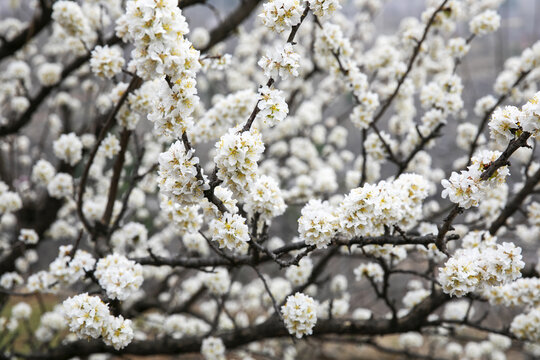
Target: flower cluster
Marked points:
317	225
504	124
330	40
109	147
119	276
10	201
106	61
299	314
43	172
281	15
67	270
368	209
212	348
157	31
230	231
60	186
49	74
272	106
533	212
68	148
527	326
362	114
485	23
475	268
525	291
89	317
28	236
178	178
236	159
466	188
265	198
509	122
283	62
227	112
178	325
132	236
299	274
71	17
323	8
443	93
370	270
217	281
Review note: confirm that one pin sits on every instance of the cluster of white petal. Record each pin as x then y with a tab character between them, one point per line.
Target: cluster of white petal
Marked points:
272	106
230	231
49	74
130	239
71	17
187	219
509	122
281	15
157	30
43	172
476	268
280	61
217	281
466	188
299	314
370	270
106	61
443	93
329	42
323	8
368	209
527	326
60	186
89	317
178	325
236	159
178	179
119	276
265	198
533	212
317	224
10	201
66	269
212	348
109	147
228	111
485	23
525	291
28	236
299	274
68	147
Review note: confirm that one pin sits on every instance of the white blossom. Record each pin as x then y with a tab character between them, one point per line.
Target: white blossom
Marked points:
299	314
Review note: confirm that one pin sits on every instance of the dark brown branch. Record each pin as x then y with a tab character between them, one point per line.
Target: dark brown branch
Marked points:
513	145
488	114
501	161
236	260
115	179
447	226
271	328
44	92
416	51
223	30
35	26
133	85
515	203
290	39
209	193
